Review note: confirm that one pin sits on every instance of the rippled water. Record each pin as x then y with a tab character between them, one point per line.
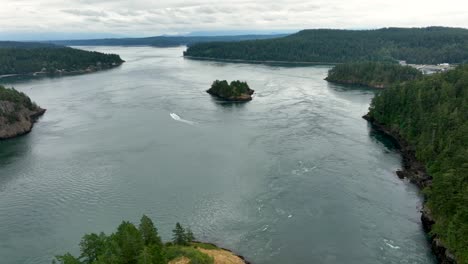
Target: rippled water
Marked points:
295	176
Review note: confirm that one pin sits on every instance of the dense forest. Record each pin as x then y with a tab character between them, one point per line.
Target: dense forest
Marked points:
235	91
430	45
161	41
432	115
372	74
27	58
138	245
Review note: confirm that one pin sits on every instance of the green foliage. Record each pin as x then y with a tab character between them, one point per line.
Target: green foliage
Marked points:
226	90
374	74
92	246
19	99
14	96
67	259
26	59
131	245
195	256
204	245
149	232
430	45
432	115
180	235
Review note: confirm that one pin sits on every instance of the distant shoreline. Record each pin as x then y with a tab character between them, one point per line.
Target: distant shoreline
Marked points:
261	61
60	73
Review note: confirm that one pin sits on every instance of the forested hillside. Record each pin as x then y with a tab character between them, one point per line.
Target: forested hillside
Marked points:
26	58
372	74
161	41
415	45
432	115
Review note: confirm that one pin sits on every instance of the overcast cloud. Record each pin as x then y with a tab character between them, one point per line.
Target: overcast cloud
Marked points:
153	17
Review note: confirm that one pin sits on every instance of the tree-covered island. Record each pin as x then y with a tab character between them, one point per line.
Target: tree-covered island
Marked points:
372	74
236	91
141	244
38	59
17	113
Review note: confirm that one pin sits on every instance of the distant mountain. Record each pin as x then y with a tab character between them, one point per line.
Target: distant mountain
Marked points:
415	45
160	41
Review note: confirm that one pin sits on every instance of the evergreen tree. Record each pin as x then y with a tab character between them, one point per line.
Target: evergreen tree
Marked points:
92	245
189	235
149	232
179	237
129	241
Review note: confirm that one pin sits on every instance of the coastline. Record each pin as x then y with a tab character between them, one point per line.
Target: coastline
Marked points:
225	249
416	173
21	127
261	61
59	73
349	82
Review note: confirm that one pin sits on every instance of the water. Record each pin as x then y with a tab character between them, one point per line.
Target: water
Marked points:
294	176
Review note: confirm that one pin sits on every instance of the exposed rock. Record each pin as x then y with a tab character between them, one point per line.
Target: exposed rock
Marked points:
16	120
417	174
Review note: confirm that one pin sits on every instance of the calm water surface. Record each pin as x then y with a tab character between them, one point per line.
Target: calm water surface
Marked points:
295	176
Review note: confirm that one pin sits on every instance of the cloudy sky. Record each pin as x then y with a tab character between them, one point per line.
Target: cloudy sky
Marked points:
154	17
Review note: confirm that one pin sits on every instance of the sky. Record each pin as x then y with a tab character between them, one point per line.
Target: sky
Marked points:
110	18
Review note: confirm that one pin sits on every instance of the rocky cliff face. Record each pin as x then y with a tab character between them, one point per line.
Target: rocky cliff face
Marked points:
417	174
16	120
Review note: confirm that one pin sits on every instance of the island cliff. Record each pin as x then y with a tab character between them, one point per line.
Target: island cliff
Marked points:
17	113
236	91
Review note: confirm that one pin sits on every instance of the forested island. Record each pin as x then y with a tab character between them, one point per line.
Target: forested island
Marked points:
428	117
235	91
17	113
162	41
143	245
20	58
430	45
372	74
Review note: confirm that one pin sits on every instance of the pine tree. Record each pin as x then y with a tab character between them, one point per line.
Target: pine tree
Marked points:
179	237
149	232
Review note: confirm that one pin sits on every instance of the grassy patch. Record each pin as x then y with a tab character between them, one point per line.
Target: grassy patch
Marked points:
204	245
195	256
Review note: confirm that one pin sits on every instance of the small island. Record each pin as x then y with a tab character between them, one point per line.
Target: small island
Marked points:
236	91
17	113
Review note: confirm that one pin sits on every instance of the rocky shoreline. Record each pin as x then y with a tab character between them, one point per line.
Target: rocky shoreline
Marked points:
228	250
59	73
349	82
24	120
415	172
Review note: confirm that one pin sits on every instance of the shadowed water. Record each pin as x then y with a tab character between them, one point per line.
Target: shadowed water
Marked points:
294	176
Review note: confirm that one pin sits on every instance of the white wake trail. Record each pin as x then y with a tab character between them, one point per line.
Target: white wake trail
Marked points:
177	118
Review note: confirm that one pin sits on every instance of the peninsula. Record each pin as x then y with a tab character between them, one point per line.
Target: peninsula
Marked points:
236	91
372	74
17	113
39	59
142	244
